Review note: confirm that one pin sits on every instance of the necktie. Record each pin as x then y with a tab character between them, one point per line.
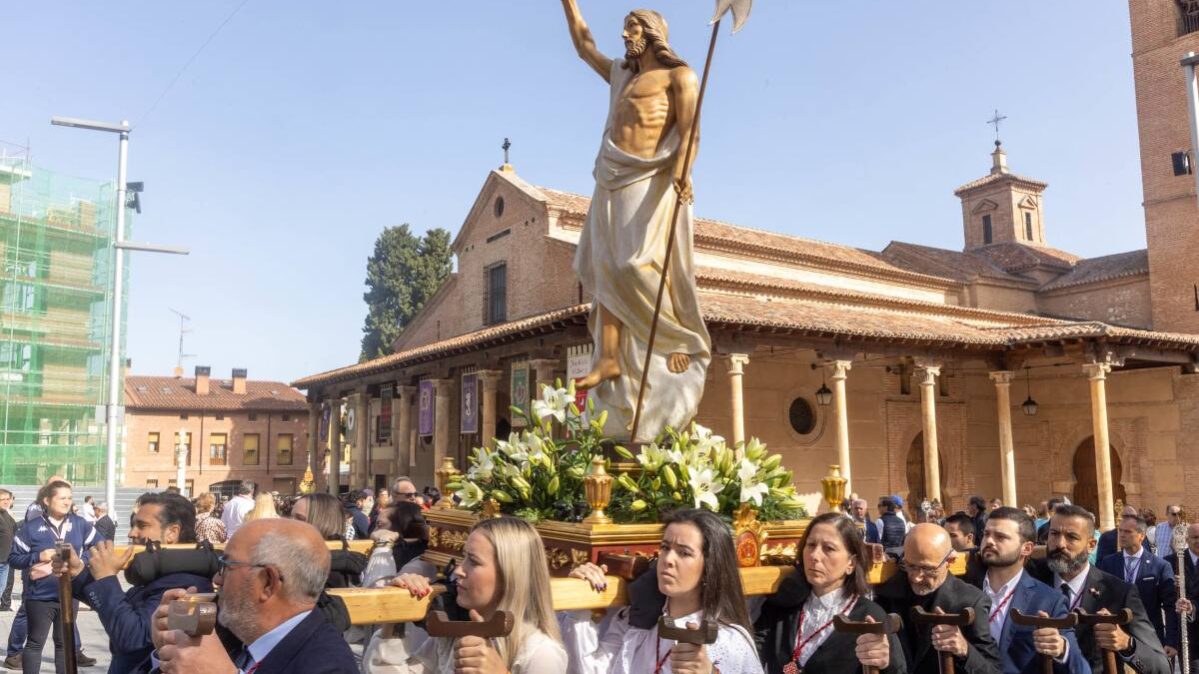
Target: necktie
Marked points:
1066	591
1129	569
244	661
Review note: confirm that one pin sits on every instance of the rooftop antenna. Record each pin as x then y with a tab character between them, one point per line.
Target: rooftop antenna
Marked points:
184	320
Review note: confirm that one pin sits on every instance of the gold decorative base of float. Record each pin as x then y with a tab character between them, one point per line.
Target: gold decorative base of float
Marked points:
569	544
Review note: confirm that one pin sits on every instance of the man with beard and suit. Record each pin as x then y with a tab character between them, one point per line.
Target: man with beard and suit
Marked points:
927	583
1067	567
126	615
1152	576
272	572
1007	543
1186	605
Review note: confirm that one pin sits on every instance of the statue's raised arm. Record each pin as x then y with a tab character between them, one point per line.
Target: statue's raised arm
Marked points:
584	42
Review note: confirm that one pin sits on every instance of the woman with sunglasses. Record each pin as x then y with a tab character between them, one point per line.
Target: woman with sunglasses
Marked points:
503	569
698	581
795	627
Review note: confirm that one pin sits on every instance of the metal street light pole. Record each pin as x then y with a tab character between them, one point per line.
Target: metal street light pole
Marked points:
118	290
1188	65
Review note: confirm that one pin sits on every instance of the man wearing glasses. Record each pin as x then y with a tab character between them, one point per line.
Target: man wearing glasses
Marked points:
1163	533
404	489
927	583
270	576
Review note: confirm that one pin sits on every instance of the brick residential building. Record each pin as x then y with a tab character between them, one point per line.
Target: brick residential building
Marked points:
921	345
234	429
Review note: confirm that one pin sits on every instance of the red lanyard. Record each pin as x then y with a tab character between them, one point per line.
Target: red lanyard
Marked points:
800	643
999	609
657	648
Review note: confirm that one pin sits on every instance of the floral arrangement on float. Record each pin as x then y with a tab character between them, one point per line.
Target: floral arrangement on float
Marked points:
554	474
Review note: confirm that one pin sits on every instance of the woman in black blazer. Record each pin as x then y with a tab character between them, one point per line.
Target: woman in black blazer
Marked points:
795	632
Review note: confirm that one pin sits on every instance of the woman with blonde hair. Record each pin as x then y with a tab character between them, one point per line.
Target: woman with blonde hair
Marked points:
264	508
503	569
209	528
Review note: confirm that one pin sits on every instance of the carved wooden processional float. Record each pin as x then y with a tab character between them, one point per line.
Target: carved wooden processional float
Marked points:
558	475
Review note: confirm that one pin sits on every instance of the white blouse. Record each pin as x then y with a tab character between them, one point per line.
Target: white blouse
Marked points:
539	654
818	612
615	647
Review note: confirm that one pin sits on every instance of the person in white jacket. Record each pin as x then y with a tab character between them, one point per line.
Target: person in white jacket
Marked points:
697	572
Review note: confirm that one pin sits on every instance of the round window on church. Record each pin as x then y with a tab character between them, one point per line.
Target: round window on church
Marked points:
499	206
802	416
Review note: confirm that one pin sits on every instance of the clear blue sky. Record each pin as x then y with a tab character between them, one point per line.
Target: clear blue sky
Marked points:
304	128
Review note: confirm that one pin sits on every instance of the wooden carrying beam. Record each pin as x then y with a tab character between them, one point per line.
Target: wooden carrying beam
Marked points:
362	546
393	604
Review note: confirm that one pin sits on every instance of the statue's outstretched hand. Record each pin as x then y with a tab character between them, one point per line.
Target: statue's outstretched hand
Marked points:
682	186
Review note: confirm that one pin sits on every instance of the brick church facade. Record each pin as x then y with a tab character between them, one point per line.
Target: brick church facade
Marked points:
934	356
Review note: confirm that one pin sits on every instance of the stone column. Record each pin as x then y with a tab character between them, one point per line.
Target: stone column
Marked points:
1097	373
737	363
491	385
838	370
359	459
405	395
334	481
543	369
441	419
314	430
1007	450
928	407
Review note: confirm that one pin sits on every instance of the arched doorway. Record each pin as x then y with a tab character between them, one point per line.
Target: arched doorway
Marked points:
1086	481
915	470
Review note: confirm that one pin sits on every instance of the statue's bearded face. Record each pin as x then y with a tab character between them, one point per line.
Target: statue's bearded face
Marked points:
634	38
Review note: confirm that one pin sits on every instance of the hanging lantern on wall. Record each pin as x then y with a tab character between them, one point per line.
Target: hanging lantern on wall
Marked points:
1030	405
824	396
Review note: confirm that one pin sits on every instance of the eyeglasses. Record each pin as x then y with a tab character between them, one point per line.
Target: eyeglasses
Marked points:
918	570
407	495
223	563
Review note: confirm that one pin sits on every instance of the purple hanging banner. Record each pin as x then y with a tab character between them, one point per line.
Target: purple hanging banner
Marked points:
425	415
470	403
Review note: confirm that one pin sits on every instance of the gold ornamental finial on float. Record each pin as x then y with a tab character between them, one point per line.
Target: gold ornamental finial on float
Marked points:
598	488
833	488
444	476
308	484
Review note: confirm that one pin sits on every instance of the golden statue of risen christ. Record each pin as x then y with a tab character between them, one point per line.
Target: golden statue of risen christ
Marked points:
640	173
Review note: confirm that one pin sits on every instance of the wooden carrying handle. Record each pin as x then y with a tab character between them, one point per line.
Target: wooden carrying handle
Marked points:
1121	617
438	624
704	635
63	550
194	618
628	567
1040	622
965	617
890	625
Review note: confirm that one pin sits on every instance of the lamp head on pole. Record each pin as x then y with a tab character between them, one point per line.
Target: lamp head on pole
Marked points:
1030	405
824	396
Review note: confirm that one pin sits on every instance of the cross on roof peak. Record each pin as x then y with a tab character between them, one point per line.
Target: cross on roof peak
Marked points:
994	121
507	144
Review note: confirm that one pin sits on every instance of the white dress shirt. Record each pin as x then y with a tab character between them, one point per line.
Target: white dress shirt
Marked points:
998	597
1136	565
235	513
266	643
819	612
1076	586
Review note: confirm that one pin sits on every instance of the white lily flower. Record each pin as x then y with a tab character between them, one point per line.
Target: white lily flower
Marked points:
483	468
704	486
470	495
651	457
704	440
552	403
751	490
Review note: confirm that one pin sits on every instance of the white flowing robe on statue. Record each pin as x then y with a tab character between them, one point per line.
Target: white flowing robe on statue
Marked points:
619	258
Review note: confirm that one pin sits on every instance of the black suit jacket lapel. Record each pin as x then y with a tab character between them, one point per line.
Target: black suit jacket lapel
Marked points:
281	656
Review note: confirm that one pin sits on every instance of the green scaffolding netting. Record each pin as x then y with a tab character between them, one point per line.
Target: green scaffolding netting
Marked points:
55	322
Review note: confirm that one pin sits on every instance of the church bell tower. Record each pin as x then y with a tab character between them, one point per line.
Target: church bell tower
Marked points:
1002	207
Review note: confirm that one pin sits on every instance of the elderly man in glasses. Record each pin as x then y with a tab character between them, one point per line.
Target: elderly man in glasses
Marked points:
270	576
926	582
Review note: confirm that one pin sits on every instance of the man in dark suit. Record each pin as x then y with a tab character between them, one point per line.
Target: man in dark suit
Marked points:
1186	605
927	583
105	525
1067	567
1152	576
1007	543
273	571
1109	543
126	616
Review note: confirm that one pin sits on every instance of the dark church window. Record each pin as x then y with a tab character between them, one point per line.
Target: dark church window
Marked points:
497	294
802	416
1028	226
1188	19
986	229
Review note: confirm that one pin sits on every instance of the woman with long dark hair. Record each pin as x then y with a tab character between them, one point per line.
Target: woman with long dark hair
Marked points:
697	573
34	549
796	624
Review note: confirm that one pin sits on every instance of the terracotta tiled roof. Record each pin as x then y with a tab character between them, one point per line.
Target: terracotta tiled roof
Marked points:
169	393
997	177
964	267
716	234
1104	268
1016	257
